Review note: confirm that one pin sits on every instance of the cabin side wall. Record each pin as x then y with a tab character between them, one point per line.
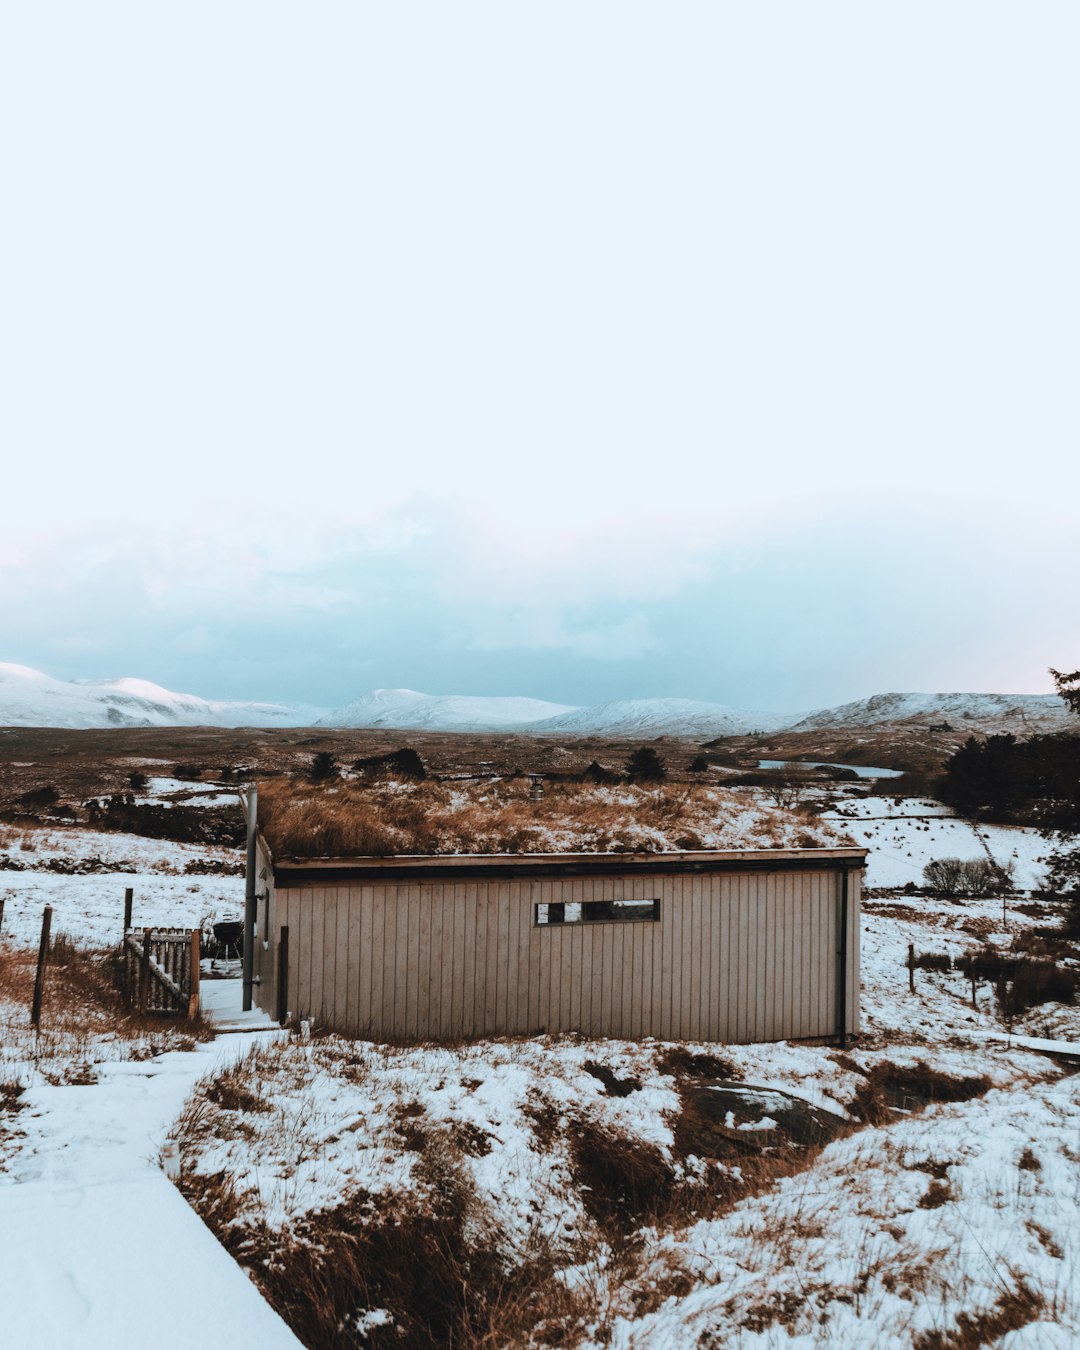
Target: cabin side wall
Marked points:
737	956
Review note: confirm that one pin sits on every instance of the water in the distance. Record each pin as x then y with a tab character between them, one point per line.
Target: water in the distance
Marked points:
861	769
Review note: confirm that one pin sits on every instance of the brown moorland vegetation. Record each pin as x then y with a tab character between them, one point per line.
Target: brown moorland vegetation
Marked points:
344	818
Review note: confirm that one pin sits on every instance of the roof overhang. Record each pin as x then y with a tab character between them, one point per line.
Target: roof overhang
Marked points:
290	872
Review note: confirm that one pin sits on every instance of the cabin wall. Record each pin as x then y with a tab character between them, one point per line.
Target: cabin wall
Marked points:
737	956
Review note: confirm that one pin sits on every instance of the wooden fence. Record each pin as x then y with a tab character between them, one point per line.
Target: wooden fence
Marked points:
161	970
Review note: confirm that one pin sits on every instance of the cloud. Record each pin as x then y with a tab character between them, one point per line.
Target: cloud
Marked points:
626	639
771	615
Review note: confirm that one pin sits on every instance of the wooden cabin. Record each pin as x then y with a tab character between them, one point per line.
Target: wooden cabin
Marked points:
733	945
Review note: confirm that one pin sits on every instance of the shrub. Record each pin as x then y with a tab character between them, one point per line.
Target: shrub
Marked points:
1031	983
404	763
952	877
1020	982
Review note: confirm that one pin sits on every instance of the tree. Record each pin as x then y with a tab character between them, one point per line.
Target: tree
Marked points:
323	766
699	764
646	766
1064	874
1068	687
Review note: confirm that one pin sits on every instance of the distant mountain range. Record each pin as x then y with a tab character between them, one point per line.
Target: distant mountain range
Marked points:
406	710
30	698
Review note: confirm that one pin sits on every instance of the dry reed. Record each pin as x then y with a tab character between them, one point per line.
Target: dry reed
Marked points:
346	818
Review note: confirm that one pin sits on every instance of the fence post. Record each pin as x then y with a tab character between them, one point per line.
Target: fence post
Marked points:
128	897
911	966
283	976
1	916
144	971
39	981
193	996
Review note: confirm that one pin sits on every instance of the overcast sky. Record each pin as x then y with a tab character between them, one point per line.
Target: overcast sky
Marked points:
579	350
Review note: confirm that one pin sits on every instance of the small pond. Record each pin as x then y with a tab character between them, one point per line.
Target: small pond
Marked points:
861	769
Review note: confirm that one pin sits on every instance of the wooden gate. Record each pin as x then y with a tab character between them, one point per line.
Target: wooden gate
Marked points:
161	970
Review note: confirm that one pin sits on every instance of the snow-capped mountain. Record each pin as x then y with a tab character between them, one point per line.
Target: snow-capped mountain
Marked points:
648	717
30	698
1024	714
407	710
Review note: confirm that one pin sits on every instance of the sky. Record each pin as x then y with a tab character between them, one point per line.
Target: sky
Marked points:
584	351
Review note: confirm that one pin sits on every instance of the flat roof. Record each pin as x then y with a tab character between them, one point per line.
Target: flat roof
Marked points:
493	866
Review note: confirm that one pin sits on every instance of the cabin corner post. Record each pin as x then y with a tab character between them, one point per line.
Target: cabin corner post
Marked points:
842	960
848	955
249	896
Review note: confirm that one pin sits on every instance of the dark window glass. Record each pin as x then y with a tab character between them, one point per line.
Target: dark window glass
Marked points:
596	911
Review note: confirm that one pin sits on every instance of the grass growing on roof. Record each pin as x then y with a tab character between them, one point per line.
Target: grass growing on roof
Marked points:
353	819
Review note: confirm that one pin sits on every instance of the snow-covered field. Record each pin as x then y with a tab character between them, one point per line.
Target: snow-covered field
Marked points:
960	1219
83	873
915	1230
964	1218
904	835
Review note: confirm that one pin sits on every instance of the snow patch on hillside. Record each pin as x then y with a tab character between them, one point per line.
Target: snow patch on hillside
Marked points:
409	710
1035	712
29	698
647	717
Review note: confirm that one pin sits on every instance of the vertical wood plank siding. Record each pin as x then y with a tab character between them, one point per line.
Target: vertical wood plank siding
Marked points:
735	956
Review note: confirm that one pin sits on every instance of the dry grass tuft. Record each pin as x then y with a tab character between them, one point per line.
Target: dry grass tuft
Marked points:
417	1270
379	819
84	1018
1015	1308
685	1063
624	1181
889	1087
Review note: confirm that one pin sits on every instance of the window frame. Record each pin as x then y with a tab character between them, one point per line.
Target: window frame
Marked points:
586	920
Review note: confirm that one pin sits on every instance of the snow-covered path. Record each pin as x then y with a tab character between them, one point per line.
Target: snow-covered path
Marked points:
97	1248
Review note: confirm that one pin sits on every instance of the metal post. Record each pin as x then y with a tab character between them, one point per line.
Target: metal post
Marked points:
841	975
283	976
39	980
129	895
249	898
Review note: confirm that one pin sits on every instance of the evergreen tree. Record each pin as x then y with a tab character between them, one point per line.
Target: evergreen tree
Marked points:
1068	687
646	766
323	766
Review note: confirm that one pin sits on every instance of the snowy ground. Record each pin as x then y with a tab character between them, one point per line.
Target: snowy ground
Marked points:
960	1219
89	905
908	1233
898	1237
904	835
97	1248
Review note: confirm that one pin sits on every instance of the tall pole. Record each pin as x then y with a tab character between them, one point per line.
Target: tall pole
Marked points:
249	898
39	980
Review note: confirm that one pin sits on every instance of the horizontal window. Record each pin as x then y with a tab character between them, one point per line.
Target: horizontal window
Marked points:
596	911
